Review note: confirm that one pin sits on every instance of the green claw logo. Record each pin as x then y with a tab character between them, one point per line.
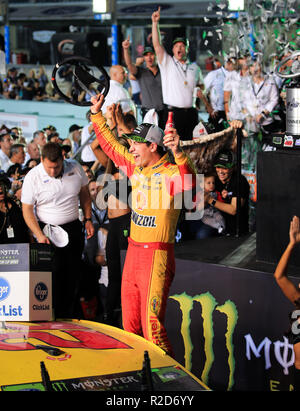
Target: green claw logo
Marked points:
209	305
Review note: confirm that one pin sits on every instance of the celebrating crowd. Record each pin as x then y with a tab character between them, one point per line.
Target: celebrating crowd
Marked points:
90	194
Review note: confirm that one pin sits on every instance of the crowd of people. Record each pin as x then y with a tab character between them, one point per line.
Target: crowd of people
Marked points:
85	194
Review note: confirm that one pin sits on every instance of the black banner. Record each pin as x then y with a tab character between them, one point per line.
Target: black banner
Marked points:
227	326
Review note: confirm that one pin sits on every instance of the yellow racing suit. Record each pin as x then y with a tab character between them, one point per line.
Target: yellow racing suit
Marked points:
150	264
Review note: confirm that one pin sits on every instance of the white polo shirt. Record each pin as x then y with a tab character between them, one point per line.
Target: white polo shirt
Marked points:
87	153
118	94
55	199
214	84
239	87
178	81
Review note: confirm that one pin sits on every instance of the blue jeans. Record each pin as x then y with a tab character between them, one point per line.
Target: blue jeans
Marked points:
201	230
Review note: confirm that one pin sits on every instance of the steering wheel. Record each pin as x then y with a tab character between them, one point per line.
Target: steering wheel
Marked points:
85	77
295	67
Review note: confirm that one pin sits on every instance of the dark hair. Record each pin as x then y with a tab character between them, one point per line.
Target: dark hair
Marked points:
4	180
13	168
37	160
130	120
210	173
52	151
92	180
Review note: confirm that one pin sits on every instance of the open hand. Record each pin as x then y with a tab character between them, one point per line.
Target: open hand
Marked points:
295	230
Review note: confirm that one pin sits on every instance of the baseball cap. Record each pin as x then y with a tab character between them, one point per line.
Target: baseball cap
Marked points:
49	127
181	40
5	131
147	132
74	127
148	50
224	159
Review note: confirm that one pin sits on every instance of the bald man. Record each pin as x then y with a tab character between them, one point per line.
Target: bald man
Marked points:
33	150
117	92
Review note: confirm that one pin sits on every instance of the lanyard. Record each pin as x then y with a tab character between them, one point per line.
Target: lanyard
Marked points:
182	68
258	89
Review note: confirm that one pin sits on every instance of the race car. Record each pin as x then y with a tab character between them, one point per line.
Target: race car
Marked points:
81	355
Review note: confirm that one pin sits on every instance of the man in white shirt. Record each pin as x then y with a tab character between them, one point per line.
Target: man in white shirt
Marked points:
33	152
117	92
236	90
16	156
50	195
214	87
87	155
179	80
5	144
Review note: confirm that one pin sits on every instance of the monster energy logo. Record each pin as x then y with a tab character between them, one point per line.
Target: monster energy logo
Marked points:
209	305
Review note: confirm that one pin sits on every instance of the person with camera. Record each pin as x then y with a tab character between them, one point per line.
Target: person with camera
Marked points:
13	228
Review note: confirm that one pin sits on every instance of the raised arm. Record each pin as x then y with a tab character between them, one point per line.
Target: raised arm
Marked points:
107	140
156	38
131	67
286	285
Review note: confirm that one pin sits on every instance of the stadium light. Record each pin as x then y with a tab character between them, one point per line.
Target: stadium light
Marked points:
100	6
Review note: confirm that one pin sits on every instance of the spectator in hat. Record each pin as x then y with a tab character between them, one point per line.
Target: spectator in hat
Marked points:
179	78
66	149
226	184
54	137
75	136
49	129
149	78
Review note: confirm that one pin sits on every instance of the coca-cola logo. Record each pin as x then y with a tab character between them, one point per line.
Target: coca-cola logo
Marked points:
41	291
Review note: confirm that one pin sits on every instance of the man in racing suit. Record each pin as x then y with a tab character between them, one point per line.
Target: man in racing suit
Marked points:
156	183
